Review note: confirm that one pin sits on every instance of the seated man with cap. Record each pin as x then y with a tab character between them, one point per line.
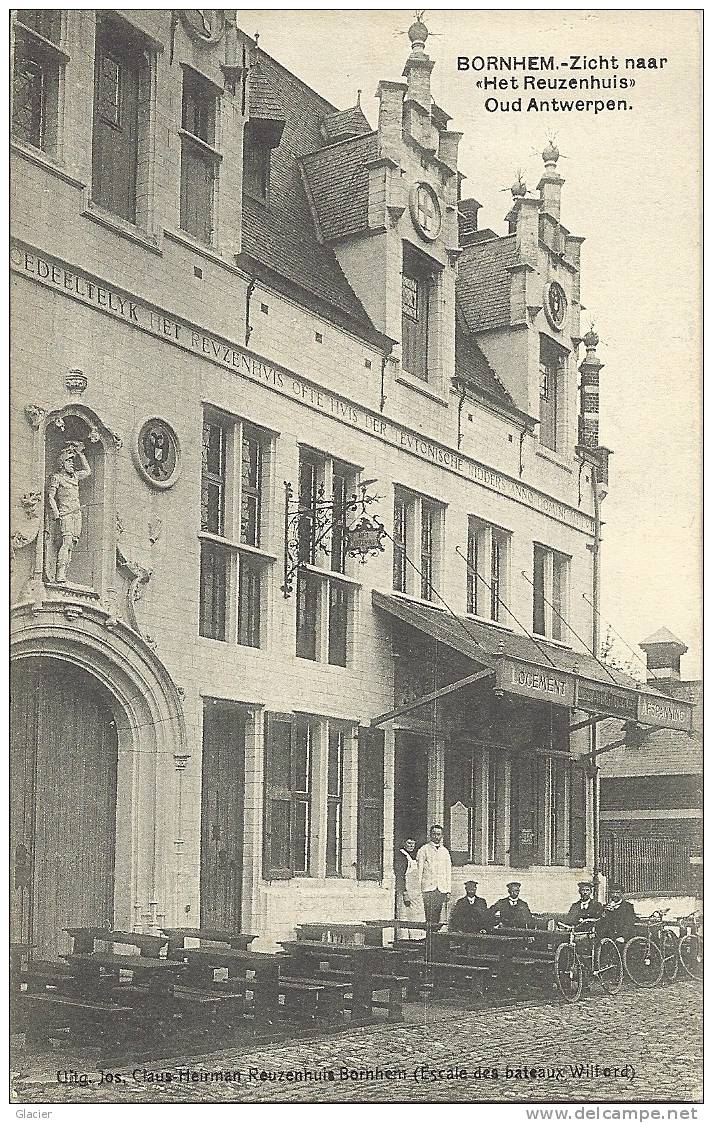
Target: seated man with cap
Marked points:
618	919
510	911
586	908
470	913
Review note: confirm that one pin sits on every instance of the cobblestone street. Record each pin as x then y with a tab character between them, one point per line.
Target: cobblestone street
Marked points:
637	1046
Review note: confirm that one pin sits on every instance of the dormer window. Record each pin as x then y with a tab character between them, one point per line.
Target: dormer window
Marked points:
552	371
199	158
417	280
256	163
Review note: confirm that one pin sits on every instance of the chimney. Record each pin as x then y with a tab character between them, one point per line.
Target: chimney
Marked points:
589	400
391	110
663	656
468	220
550	186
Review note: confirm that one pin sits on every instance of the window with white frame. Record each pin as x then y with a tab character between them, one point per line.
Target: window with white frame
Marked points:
234	529
308	765
200	159
550	594
325	592
38	70
417	544
488	571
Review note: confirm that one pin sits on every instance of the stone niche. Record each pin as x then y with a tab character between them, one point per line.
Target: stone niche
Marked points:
37	534
84	571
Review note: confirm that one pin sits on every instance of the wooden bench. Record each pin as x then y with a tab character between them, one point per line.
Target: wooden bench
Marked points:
47	1012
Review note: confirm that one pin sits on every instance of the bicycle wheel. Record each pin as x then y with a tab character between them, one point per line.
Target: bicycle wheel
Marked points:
568	973
608	967
643	962
669	950
690	954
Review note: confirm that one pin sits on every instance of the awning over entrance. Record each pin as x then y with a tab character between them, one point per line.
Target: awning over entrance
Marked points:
540	670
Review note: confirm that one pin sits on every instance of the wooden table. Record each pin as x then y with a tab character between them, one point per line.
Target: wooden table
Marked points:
157	975
352	934
84	940
366	965
239	941
376	928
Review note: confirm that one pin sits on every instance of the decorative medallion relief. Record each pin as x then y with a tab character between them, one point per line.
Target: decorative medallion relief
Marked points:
157	453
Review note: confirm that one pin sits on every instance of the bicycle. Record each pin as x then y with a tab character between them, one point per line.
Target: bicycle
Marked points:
602	961
647	958
690	946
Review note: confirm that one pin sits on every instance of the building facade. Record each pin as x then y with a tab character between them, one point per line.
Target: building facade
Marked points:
651	790
246	324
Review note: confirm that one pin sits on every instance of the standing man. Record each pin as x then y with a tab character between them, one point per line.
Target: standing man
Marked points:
586	908
510	911
434	868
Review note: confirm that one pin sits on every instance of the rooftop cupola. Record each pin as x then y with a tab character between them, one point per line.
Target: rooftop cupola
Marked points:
550	185
663	656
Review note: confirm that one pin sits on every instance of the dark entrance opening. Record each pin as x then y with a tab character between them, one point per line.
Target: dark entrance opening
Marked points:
222	807
63	759
410	789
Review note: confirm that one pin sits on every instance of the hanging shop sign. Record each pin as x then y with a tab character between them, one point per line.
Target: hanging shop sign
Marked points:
667	713
563	688
605	698
366	538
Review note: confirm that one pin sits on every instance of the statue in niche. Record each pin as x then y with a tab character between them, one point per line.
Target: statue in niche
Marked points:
63	501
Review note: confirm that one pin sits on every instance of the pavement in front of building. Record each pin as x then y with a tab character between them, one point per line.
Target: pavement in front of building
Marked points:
637	1046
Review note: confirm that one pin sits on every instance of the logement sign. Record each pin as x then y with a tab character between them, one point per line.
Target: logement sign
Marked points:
544	684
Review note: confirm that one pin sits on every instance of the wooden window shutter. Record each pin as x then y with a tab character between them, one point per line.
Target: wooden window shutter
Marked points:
522	812
370	805
578	815
542	806
277	803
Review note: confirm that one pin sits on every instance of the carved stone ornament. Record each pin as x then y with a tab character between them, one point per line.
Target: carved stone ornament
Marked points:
76	382
157	453
35	415
139	578
204	25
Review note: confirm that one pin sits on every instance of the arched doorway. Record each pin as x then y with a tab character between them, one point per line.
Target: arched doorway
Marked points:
63	784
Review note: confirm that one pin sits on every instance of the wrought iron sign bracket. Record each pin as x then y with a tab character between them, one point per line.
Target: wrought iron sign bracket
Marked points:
309	527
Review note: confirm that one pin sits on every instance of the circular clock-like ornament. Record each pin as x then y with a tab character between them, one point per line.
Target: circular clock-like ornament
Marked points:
555	304
157	453
204	25
425	211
